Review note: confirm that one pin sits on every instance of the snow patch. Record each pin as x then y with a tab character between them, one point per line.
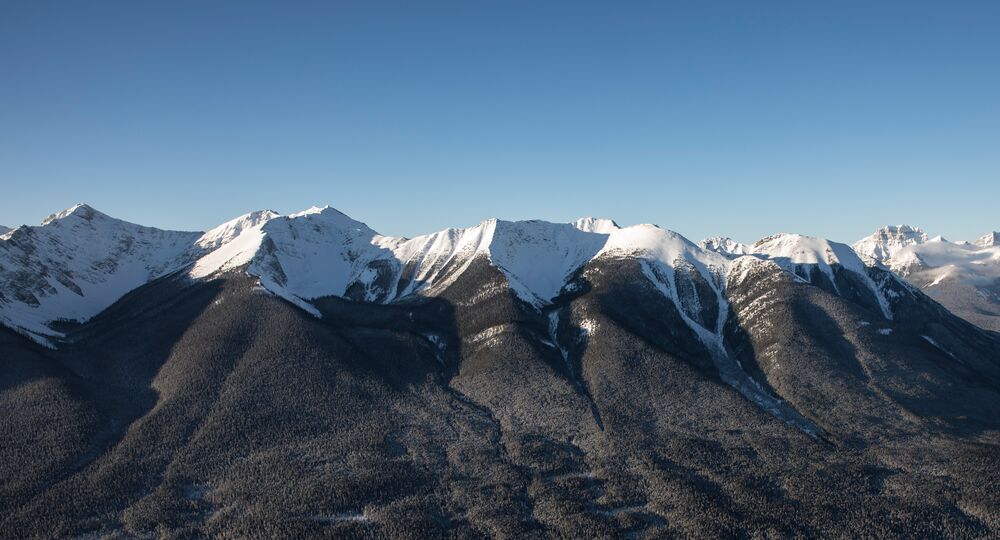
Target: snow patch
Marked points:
938	346
343	517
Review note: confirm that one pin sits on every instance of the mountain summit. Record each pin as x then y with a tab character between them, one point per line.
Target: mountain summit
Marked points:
887	241
990	239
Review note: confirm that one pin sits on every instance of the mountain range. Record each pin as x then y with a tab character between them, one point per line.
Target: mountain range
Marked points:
303	375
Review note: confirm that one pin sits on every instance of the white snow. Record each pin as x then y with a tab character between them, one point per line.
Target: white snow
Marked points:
77	263
319	252
343	517
490	336
588	327
539	257
791	250
884	243
725	246
596	225
938	346
990	239
884	331
233	243
322	252
664	246
228	231
930	262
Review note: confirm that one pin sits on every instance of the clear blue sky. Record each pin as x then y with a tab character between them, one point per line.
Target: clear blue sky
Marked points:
737	118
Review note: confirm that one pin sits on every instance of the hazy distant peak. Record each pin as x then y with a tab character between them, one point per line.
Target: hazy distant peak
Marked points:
990	239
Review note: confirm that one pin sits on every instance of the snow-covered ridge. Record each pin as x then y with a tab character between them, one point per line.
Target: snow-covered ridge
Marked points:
77	263
4	230
796	254
229	230
322	252
80	261
794	249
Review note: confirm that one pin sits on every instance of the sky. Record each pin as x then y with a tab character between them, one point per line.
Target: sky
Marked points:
709	118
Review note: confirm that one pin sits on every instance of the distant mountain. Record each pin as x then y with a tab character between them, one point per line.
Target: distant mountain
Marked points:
725	246
304	376
988	240
4	230
963	276
887	241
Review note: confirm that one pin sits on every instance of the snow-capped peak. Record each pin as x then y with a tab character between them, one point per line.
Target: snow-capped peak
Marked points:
884	243
80	210
796	252
990	239
793	249
654	242
77	263
314	210
596	225
80	261
322	252
725	246
231	229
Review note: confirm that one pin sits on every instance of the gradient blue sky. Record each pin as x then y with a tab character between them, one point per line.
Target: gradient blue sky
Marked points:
735	118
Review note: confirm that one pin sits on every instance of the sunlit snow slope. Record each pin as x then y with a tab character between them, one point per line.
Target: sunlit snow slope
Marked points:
77	263
80	261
